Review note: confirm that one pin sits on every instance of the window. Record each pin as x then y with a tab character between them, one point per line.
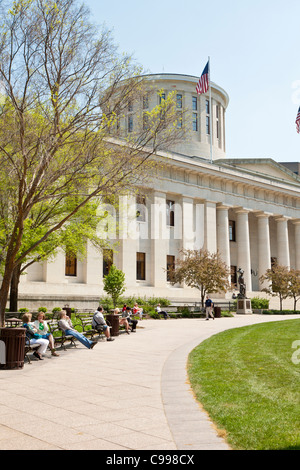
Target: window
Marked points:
107	261
207	107
207	125
195	122
162	96
141	208
179	101
130	107
145	102
194	103
233	276
145	121
170	265
71	265
273	261
170	213
179	120
141	266
232	230
218	121
130	123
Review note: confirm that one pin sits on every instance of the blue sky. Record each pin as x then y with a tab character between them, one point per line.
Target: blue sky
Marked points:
254	50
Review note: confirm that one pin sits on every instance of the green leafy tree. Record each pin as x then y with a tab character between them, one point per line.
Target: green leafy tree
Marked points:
58	73
279	281
294	286
201	270
72	238
114	284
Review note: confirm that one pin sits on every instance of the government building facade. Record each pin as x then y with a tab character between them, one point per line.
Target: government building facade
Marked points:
247	209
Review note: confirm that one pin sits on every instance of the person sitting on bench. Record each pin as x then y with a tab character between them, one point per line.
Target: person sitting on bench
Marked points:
99	323
132	322
65	324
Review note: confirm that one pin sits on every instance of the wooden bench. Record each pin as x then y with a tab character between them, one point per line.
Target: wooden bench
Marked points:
59	335
29	348
87	327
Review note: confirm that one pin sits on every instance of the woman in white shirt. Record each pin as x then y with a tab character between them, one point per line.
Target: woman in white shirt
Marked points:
43	329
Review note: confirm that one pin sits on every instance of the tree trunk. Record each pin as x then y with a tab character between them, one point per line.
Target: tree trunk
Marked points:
280	303
14	289
3	299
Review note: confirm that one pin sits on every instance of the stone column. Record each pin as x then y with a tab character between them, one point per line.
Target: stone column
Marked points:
283	253
128	236
223	234
264	249
210	226
297	243
243	246
158	240
188	232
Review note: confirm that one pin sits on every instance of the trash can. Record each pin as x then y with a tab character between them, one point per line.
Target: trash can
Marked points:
217	312
13	349
113	321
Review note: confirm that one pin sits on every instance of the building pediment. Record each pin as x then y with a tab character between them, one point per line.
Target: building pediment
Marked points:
266	167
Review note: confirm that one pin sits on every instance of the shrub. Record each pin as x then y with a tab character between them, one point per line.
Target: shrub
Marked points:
42	309
23	310
56	309
258	302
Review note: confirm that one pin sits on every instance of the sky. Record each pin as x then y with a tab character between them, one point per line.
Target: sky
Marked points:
254	53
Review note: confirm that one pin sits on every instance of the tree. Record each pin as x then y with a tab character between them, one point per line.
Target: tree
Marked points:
114	284
72	238
201	270
58	74
294	286
279	281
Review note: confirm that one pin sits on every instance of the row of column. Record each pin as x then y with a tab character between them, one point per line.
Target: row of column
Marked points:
264	245
209	224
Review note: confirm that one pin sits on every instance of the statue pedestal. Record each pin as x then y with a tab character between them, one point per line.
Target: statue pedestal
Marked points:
244	306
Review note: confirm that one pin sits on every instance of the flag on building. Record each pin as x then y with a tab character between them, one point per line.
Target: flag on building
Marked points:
202	85
298	121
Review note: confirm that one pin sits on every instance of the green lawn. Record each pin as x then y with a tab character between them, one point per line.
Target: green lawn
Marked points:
246	380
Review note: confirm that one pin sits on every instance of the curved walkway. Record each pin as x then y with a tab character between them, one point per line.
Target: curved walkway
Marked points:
132	393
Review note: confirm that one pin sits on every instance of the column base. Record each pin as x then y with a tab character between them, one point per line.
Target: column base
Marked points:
244	307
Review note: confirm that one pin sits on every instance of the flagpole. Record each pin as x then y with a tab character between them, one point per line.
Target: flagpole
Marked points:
210	113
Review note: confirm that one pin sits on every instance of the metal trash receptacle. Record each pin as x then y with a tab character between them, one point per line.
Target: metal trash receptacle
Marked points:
14	341
217	312
113	321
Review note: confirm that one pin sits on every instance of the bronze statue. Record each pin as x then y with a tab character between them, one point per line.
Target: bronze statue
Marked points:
241	281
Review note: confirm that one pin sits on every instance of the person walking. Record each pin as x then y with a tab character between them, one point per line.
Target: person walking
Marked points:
208	308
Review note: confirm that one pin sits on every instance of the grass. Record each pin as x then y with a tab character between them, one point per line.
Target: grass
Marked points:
246	380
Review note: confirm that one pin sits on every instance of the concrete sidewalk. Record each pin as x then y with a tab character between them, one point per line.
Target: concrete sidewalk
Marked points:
132	393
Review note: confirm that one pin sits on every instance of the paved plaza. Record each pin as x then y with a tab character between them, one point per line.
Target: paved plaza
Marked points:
132	393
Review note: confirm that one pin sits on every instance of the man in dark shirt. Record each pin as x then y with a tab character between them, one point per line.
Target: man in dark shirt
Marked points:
208	308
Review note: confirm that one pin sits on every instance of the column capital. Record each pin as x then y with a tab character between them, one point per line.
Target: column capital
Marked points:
282	218
242	210
262	215
296	221
221	206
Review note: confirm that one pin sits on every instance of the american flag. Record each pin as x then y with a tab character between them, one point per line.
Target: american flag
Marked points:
202	85
298	121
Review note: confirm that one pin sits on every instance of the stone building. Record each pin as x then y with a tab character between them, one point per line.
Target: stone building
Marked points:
248	209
